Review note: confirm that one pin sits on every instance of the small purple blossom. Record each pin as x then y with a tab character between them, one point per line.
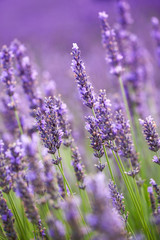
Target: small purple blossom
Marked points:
104	219
63	120
117	200
156	160
28	201
124	140
51	182
85	87
114	58
78	167
70	208
149	131
7	75
56	229
125	18
96	136
156	36
47	124
103	114
15	155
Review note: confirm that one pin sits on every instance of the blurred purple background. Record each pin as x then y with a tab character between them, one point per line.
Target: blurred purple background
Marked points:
49	27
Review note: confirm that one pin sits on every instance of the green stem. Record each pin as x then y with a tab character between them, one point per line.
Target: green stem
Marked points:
107	159
127	110
18	219
132	194
17	118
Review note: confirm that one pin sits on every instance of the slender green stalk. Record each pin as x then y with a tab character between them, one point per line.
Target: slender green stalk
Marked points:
17	217
127	110
134	199
107	159
17	118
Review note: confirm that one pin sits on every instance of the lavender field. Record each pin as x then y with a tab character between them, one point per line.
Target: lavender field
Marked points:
79	120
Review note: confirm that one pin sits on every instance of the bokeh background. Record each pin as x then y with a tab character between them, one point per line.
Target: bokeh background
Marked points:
49	27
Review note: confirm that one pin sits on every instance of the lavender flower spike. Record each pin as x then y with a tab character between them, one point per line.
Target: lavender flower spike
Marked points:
125	18
56	229
103	114
72	217
110	44
104	219
149	131
78	167
47	124
96	139
156	35
7	70
85	88
7	219
28	201
117	200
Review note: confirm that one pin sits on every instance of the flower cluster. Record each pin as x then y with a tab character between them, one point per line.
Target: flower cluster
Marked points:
110	44
149	130
85	88
47	124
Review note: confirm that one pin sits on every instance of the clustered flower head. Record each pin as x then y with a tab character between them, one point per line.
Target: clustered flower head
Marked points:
103	114
7	75
105	220
25	72
117	200
78	167
63	120
124	140
96	137
156	35
70	207
56	228
125	17
149	131
110	44
47	124
85	87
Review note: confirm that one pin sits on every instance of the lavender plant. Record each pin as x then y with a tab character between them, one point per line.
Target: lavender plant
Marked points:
49	187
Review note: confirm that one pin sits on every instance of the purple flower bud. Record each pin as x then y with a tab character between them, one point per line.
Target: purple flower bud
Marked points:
7	70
